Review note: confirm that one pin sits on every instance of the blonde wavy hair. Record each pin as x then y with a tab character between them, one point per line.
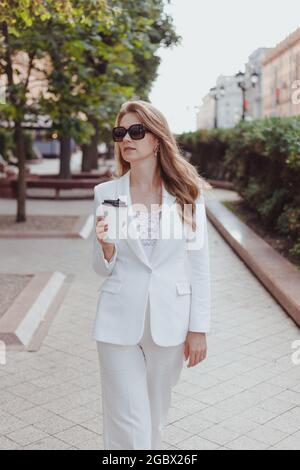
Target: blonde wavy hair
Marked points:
179	177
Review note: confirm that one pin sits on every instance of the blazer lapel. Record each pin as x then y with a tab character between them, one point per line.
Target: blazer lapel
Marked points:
131	236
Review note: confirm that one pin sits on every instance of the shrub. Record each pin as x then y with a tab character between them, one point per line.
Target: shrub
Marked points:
262	159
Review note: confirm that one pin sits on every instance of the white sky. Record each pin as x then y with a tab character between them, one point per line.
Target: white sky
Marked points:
218	37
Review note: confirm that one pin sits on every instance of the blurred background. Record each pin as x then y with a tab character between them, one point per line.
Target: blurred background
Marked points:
226	74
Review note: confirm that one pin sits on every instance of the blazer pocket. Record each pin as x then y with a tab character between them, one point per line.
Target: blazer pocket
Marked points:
111	285
183	287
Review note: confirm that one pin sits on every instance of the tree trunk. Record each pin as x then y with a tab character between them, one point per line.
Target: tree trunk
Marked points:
110	150
18	132
21	192
65	157
90	151
86	164
95	142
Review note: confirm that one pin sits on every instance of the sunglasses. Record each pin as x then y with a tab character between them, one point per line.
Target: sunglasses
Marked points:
136	132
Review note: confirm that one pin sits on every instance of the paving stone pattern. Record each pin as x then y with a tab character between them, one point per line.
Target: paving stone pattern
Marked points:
245	395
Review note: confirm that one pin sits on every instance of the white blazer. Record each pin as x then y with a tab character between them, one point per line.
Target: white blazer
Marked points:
177	278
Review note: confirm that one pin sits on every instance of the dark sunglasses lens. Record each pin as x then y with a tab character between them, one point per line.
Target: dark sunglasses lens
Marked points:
118	134
137	132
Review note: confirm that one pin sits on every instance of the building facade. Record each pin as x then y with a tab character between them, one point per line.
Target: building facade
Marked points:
281	84
254	95
206	112
228	107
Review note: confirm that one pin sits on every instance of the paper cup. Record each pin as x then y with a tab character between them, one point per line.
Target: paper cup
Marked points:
113	218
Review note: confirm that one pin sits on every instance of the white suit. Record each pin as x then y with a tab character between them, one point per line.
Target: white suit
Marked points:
141	362
177	279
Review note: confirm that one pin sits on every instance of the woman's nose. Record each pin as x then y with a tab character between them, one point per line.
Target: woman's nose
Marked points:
127	138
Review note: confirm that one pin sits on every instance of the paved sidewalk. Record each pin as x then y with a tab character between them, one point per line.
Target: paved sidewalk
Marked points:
245	395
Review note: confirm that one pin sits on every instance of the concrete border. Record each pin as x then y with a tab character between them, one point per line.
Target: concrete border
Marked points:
278	275
221	184
25	323
81	229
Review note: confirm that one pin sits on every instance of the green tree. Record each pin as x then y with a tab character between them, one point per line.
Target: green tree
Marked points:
129	65
77	52
24	29
98	54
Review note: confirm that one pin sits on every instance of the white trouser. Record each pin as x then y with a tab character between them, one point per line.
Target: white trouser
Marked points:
136	384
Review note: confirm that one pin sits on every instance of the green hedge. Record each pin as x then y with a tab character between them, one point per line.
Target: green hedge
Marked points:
262	159
208	149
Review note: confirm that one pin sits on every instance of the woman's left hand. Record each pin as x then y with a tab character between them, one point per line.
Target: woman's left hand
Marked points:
195	347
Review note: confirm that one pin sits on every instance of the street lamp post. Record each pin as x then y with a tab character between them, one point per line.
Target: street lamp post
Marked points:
216	94
241	82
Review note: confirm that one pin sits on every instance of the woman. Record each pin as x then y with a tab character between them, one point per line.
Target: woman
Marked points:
154	308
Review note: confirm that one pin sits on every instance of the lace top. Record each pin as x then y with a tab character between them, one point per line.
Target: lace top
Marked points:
147	223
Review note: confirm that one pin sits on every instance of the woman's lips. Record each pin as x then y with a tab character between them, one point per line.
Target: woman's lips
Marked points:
129	148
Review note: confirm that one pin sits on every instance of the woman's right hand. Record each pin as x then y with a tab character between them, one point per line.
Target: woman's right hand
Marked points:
101	229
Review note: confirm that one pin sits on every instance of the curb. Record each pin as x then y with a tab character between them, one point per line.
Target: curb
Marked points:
32	311
278	275
221	184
